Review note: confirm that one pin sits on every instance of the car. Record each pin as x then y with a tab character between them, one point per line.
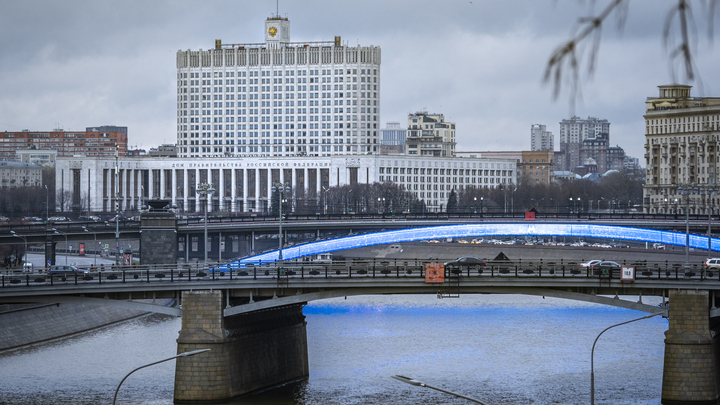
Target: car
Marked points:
589	263
466	261
65	270
712	263
605	268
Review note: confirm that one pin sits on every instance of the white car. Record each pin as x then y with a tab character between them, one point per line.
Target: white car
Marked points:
590	263
712	263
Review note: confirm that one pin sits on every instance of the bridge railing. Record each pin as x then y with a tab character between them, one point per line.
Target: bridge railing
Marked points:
356	269
439	216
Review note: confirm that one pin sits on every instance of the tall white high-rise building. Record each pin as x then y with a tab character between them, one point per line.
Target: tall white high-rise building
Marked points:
574	131
541	139
278	98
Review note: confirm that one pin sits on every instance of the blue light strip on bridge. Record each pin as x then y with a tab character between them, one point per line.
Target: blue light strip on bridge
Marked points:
472	230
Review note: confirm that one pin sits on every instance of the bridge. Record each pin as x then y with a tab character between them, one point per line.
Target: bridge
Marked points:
252	307
244	235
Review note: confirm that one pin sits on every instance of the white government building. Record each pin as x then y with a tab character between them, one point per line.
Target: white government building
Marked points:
245	184
252	115
278	98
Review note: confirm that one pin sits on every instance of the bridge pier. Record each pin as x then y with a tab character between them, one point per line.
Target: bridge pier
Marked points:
158	237
249	352
690	372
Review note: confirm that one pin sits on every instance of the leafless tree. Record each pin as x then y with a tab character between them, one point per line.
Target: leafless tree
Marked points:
588	32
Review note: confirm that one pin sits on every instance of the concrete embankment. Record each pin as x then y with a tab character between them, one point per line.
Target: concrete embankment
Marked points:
25	324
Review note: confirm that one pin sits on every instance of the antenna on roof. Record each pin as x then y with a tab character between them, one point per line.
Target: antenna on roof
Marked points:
277	8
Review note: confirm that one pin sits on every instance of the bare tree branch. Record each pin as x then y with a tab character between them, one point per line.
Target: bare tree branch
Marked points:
568	55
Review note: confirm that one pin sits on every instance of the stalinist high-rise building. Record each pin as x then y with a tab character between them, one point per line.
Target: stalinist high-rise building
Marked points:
278	98
681	152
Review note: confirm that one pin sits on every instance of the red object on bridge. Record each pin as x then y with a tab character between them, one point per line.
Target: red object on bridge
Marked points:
82	249
434	272
530	216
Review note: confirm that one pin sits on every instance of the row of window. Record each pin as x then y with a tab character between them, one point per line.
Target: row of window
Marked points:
442	181
300	80
442	172
276	150
266	73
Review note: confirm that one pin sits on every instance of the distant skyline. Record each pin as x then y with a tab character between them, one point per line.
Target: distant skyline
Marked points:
84	63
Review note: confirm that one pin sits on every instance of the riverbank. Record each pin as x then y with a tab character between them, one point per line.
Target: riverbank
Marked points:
22	325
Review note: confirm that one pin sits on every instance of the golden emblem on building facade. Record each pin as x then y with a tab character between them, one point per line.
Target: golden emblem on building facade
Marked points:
272	31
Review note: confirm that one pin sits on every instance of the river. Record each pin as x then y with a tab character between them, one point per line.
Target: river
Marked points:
500	349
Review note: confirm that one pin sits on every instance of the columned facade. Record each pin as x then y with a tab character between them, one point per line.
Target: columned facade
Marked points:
245	185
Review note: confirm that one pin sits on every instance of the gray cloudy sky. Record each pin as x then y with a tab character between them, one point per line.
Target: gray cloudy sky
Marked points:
79	63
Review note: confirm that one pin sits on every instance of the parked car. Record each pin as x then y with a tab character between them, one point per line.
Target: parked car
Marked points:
466	261
712	263
65	270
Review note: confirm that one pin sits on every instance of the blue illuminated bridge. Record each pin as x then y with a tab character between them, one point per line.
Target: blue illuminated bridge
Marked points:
575	230
258	282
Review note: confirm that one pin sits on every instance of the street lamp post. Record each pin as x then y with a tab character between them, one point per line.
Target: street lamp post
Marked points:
205	190
117	207
347	202
687	190
592	354
412	381
710	192
325	191
280	189
47	204
94	245
66	242
25	240
186	354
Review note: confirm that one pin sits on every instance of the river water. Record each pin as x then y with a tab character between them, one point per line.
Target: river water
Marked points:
500	349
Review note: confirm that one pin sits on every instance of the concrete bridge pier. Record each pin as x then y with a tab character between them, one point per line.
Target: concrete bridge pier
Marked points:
690	372
249	352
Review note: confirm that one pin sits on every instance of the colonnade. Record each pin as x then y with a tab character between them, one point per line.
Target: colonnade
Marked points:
236	190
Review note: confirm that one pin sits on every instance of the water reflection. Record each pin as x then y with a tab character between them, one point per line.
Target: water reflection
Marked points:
501	349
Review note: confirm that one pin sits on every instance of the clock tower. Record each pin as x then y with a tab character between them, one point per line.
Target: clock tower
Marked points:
277	31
